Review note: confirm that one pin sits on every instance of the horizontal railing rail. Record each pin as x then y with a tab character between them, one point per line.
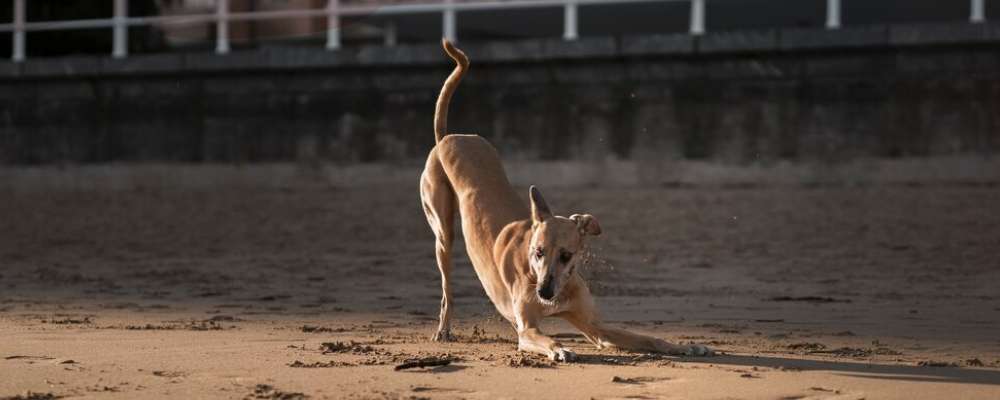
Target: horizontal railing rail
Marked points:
120	21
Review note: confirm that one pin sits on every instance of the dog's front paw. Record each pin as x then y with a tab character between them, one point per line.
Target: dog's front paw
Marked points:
443	335
699	351
563	355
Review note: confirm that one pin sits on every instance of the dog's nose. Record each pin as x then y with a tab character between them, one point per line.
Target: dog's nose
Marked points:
547	290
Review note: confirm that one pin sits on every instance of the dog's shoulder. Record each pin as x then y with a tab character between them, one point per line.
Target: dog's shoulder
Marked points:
510	242
511	237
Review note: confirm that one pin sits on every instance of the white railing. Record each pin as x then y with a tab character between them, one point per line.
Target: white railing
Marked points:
120	21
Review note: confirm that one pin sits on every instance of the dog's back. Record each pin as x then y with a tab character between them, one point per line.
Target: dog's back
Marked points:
476	174
473	167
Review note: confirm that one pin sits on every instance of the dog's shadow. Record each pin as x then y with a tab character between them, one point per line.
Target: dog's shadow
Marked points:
850	368
856	368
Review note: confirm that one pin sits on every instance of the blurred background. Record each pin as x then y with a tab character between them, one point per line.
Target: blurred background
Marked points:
854	90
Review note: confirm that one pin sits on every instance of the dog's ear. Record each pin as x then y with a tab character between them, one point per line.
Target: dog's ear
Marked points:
587	224
539	209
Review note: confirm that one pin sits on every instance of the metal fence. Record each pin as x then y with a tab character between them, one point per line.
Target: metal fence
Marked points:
120	21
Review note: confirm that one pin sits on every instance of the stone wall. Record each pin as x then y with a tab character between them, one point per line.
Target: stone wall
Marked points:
736	98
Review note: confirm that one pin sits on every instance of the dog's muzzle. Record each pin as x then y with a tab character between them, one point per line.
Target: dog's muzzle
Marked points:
547	291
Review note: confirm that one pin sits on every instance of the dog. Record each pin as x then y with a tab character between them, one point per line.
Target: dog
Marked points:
525	256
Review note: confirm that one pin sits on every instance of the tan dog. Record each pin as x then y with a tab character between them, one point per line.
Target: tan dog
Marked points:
525	258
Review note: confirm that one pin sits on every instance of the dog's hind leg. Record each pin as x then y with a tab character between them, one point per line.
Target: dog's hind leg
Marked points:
439	202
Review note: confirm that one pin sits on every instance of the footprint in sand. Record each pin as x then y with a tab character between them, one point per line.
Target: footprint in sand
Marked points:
170	374
639	380
432	389
29	359
440	392
822	393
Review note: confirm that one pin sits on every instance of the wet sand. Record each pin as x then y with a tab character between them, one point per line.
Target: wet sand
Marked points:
878	292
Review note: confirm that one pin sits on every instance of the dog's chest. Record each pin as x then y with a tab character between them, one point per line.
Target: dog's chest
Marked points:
558	307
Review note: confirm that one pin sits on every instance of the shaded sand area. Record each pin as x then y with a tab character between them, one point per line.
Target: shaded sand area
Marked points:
318	291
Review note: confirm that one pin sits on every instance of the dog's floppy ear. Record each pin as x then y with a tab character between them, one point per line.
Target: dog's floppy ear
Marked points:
539	209
587	224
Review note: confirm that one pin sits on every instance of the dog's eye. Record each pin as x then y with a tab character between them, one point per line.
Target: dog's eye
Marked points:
565	257
539	253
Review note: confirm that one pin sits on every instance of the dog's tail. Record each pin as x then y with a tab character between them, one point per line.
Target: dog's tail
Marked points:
444	99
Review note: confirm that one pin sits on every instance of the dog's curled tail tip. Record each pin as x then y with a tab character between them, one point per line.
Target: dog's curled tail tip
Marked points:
450	84
455	53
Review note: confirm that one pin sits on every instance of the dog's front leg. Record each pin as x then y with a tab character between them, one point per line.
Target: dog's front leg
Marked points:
584	318
626	340
531	339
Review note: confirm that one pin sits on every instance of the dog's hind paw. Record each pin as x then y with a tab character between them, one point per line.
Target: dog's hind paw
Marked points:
443	335
699	351
563	355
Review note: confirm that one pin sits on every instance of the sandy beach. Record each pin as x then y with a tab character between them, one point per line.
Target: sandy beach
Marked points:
319	291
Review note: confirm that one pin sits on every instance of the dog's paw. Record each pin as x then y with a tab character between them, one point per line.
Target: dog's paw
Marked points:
563	355
443	335
699	351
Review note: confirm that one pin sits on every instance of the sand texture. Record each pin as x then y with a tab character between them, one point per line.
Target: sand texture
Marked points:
319	291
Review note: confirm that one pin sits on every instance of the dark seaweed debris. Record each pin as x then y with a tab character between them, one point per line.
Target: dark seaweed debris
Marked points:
424	363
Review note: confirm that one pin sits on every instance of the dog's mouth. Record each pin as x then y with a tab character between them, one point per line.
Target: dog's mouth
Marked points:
547	290
547	302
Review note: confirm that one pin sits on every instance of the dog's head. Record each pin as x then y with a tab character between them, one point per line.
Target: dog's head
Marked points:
556	243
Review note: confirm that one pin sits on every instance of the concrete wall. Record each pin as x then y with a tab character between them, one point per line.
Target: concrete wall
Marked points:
740	98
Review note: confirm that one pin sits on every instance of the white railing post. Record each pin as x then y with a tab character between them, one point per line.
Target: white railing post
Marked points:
222	26
448	21
978	12
389	37
570	27
332	25
697	17
18	45
832	14
120	47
